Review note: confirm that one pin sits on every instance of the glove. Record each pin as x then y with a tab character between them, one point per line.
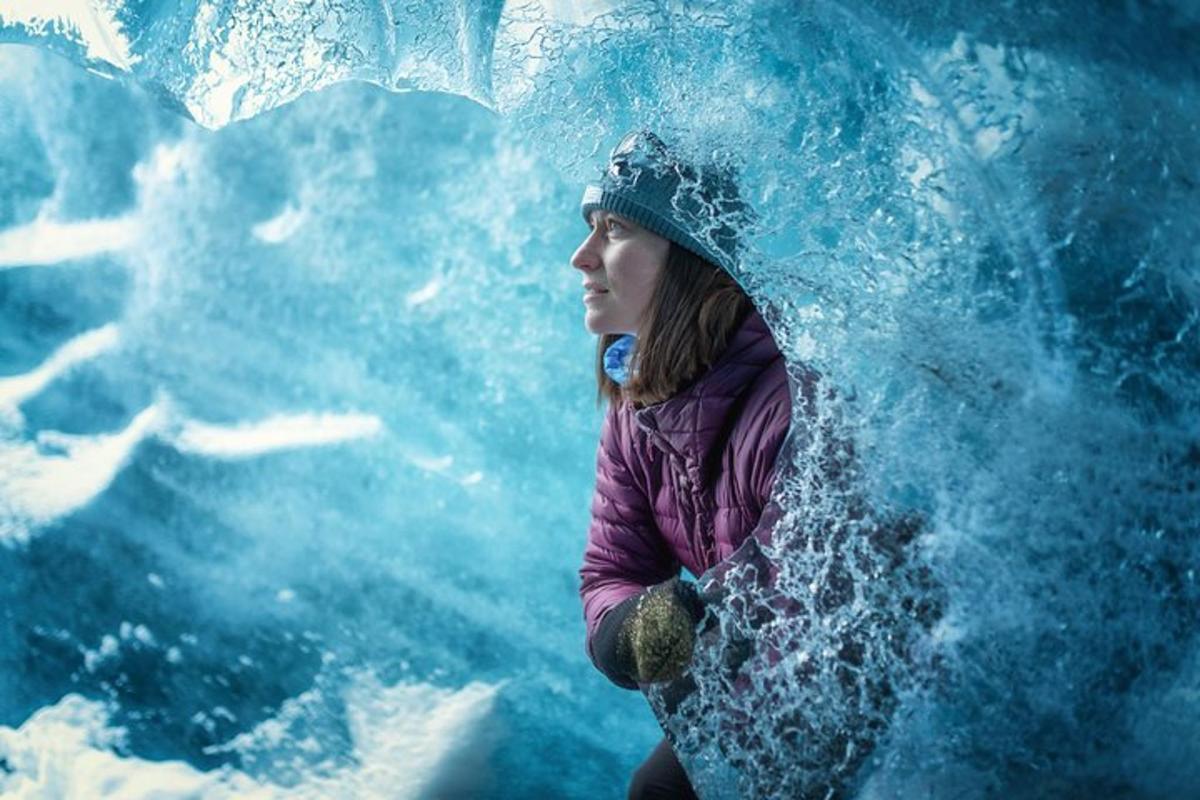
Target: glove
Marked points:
655	640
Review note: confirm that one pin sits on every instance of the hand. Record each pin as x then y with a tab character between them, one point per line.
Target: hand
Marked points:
659	634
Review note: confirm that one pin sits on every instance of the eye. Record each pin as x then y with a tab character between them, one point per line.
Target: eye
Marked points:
616	224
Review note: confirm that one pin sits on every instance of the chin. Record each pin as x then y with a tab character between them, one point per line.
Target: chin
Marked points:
596	326
601	324
601	330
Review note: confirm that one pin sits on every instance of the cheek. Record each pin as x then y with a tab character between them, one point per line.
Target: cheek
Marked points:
639	271
646	286
648	276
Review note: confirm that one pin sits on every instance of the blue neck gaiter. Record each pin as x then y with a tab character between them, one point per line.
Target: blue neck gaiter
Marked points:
616	358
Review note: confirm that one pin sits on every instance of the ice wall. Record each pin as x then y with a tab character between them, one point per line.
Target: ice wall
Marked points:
371	441
221	62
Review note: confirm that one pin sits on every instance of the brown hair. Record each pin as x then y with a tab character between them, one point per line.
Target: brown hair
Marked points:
692	313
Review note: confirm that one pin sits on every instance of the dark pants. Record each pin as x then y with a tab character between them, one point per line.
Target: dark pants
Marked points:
660	777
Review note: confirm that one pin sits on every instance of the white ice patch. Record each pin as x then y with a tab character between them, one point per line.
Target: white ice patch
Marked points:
405	736
432	463
921	94
90	23
109	648
995	93
168	164
59	473
917	165
43	242
66	752
423	295
220	85
281	226
16	389
283	432
443	466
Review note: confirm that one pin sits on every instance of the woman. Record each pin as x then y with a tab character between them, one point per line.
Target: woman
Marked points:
699	407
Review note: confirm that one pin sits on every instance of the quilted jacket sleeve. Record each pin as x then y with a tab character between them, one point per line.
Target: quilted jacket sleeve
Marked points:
625	552
774	422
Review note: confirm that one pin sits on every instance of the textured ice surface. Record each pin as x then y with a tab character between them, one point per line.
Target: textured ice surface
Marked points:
222	62
304	398
71	750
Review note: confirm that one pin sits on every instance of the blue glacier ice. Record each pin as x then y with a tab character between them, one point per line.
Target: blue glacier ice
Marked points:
297	429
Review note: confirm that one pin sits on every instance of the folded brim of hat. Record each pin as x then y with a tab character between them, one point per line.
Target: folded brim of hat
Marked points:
599	197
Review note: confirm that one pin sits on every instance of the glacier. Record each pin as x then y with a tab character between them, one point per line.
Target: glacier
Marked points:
297	429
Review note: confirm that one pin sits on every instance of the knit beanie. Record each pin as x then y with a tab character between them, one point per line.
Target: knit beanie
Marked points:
699	209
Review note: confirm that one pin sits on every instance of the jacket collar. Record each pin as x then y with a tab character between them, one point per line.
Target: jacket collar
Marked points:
692	420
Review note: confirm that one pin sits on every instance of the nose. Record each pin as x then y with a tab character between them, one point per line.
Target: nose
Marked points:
587	255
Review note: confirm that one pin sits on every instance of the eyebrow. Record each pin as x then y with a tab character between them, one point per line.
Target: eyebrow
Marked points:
597	213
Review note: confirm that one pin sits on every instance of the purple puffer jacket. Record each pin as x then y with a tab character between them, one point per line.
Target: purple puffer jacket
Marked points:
683	482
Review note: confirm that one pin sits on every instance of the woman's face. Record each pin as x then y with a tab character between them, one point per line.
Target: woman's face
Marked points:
620	262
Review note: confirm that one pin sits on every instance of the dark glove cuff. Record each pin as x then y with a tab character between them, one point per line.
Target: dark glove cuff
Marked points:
606	651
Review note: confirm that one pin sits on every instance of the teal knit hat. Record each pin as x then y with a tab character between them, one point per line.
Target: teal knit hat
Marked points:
698	209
